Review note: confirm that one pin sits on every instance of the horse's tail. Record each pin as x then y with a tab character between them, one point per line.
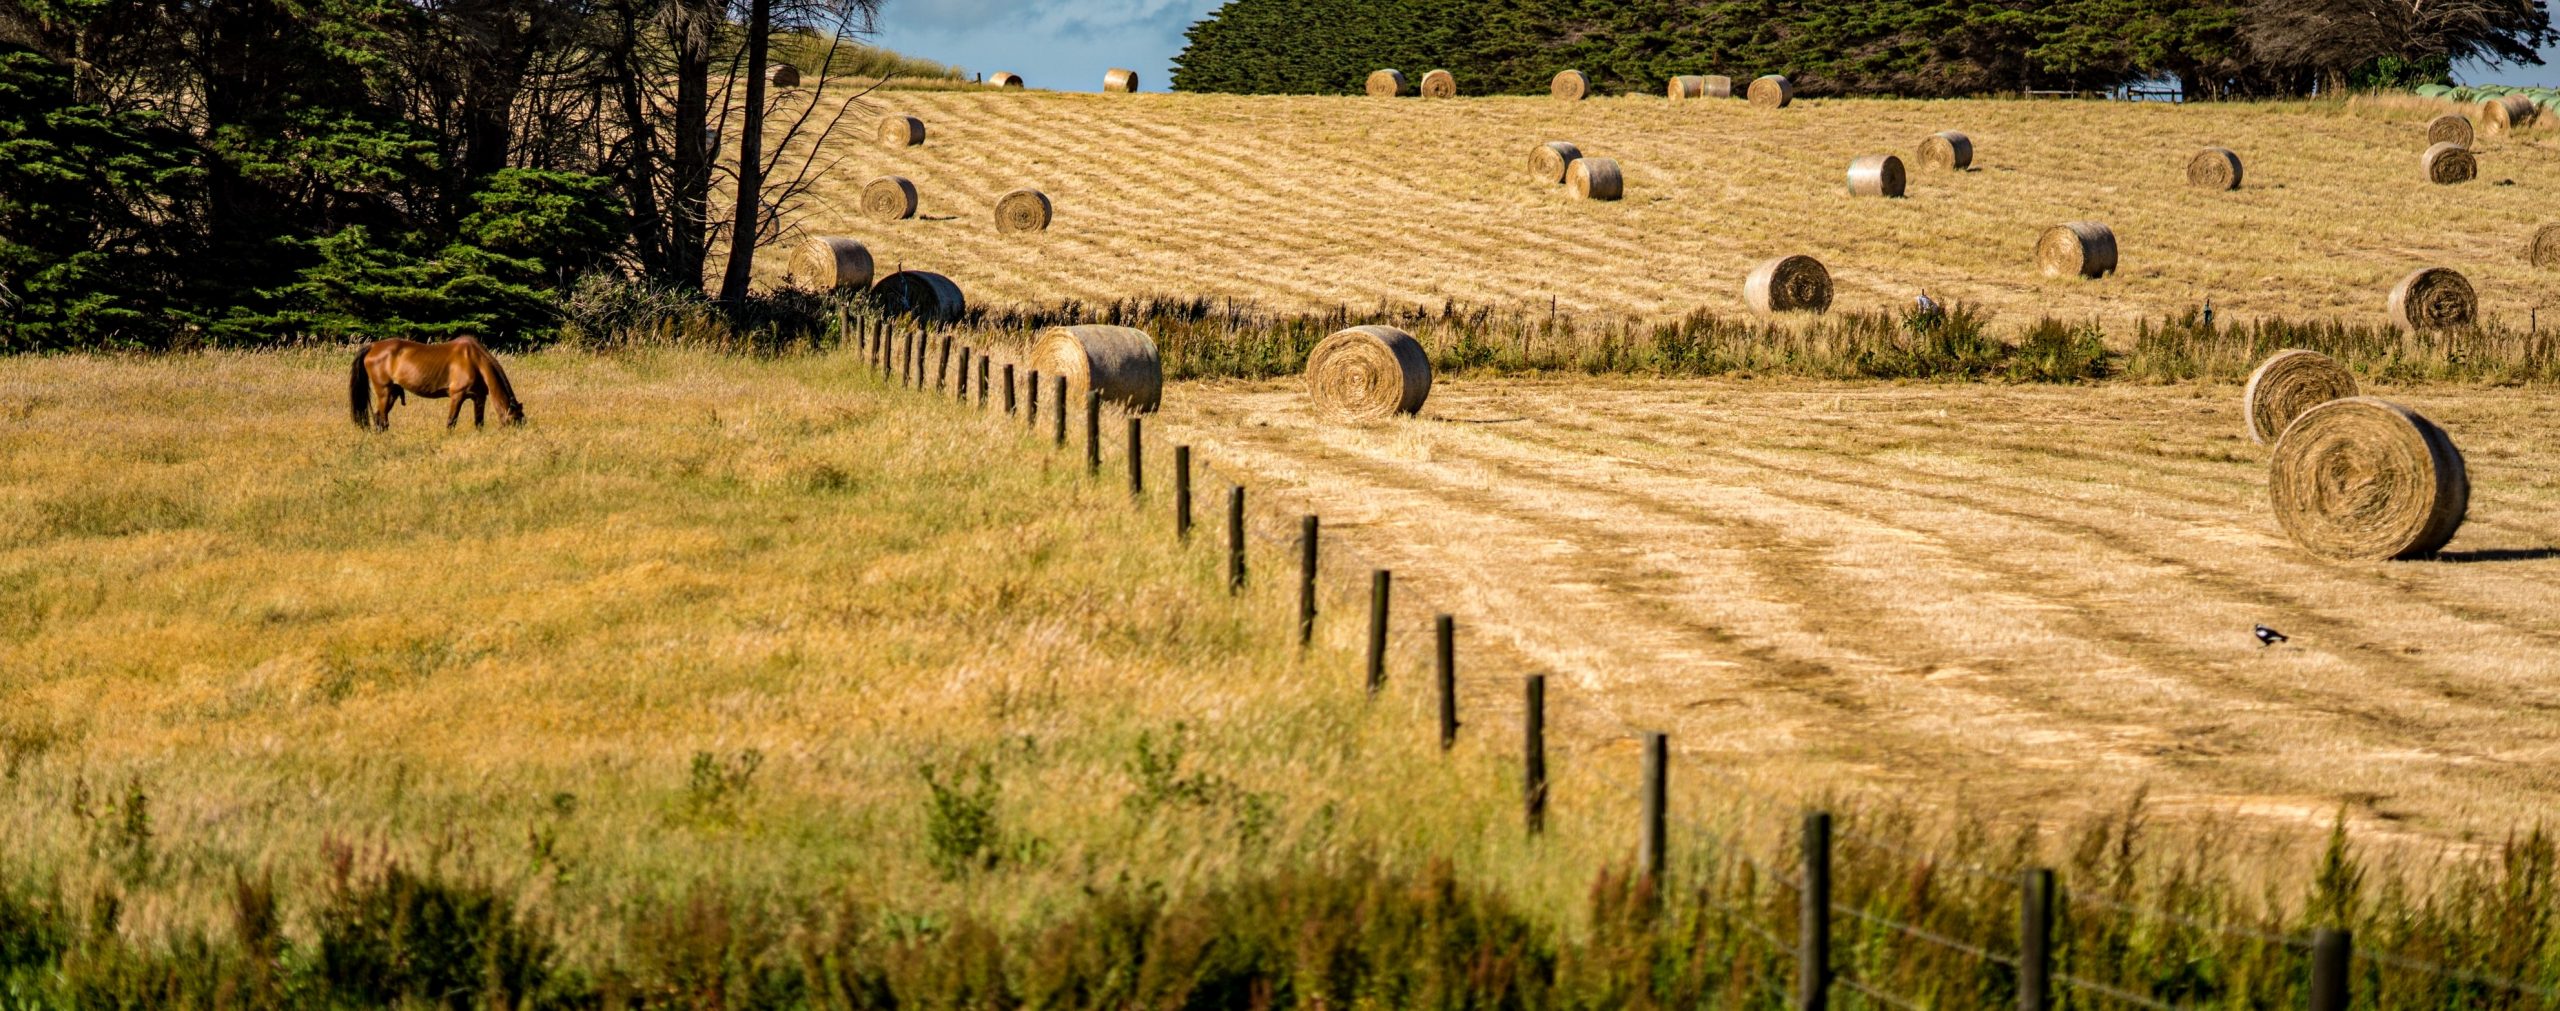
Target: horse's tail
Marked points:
360	391
496	376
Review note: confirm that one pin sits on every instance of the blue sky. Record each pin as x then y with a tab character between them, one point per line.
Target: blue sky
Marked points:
1067	44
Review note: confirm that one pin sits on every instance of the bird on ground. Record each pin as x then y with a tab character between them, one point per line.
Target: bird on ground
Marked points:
2208	310
2268	636
1925	303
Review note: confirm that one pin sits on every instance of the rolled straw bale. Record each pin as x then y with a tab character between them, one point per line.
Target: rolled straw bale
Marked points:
1684	88
2506	112
1120	80
1022	211
1719	86
2287	384
1946	151
782	75
889	198
1439	84
1876	175
1569	86
2545	251
2084	248
1788	284
1386	83
2450	128
1005	79
922	294
1772	92
2447	163
831	263
1117	361
1550	161
901	131
2365	478
1595	179
1367	373
2214	168
2434	298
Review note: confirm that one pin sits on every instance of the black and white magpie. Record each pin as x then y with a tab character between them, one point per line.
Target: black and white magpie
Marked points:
2268	636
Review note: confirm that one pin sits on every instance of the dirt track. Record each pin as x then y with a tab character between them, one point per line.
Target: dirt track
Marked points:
2035	596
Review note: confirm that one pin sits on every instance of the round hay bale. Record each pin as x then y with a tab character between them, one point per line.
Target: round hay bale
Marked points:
901	131
2365	478
2447	163
1005	79
2214	168
1684	88
1022	211
1120	81
922	294
1569	86
1549	162
2506	113
1946	151
1117	361
889	198
1386	83
2434	298
1366	374
2545	251
2083	248
1595	179
831	263
1772	92
1876	175
2287	384
1719	86
782	75
1788	284
1439	84
2450	128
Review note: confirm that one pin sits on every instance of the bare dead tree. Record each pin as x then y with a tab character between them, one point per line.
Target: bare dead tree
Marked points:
2335	37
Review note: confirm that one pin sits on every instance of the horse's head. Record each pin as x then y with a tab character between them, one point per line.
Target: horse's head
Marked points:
515	412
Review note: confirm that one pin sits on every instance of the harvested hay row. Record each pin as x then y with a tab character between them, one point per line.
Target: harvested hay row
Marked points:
1719	86
924	295
1946	151
1117	361
1877	175
1005	79
1682	89
2214	168
901	131
782	75
2434	298
1551	161
2287	384
1120	81
2365	478
2083	248
2545	251
1595	179
1772	92
1366	374
1439	84
1788	284
831	263
2447	163
889	198
2450	128
2506	113
1386	83
1022	211
1569	86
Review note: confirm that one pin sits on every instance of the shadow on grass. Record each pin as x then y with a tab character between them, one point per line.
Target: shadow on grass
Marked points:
2498	555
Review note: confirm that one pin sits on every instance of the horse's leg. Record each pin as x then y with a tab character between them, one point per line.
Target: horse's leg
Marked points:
382	396
480	410
453	413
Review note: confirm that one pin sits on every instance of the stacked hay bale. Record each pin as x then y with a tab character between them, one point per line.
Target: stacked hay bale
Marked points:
1552	161
1788	284
1595	179
1366	374
1439	84
2366	479
2214	168
901	131
923	295
1682	89
1772	92
1116	361
2081	248
2432	299
1876	175
1005	79
1386	83
1022	211
1120	81
2288	384
2450	128
1569	86
2447	163
1946	151
831	263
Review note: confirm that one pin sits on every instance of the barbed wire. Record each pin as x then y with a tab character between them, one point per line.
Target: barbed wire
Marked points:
2112	993
1873	994
1924	934
2465	975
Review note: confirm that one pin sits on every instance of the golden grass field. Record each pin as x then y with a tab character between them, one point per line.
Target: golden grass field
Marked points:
1315	201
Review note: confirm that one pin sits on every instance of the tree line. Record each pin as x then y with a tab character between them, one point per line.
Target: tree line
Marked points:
1930	48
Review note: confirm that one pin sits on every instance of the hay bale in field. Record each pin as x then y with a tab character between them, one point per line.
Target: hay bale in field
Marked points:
2083	248
1366	374
2506	113
1595	179
1549	162
1772	92
901	131
2434	298
2447	163
2365	478
1876	175
2450	128
1005	79
1117	361
921	294
2287	384
1386	83
1120	81
782	75
1569	86
2545	251
1682	89
1946	151
1439	84
1023	211
889	198
1719	86
2214	168
1788	284
831	263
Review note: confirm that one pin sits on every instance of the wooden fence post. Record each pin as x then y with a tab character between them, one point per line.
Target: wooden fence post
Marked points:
1533	751
1445	631
1031	403
1093	433
982	382
2035	940
1182	493
1306	581
1652	854
942	365
1008	389
964	374
2332	951
1813	916
1058	385
1137	458
1380	581
1235	539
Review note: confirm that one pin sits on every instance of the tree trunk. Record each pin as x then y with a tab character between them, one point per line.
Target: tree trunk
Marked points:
689	234
742	235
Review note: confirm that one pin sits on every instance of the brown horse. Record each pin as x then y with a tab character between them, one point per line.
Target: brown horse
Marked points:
462	369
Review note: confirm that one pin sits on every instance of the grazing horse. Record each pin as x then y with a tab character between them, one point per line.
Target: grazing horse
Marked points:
462	369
